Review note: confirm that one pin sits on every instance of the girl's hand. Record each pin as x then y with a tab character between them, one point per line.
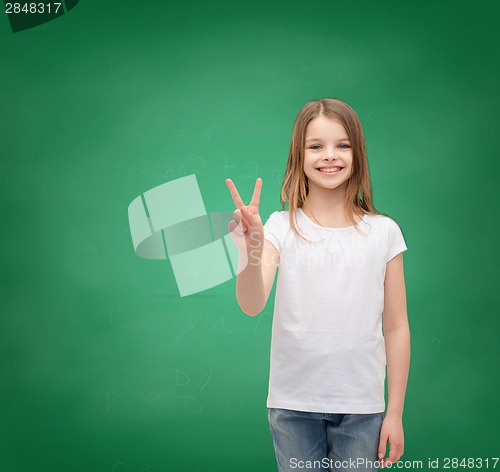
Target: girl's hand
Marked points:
246	227
392	433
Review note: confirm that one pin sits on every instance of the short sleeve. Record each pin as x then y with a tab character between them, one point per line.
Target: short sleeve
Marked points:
395	242
272	230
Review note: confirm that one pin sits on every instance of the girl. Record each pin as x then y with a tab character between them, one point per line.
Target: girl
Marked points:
340	269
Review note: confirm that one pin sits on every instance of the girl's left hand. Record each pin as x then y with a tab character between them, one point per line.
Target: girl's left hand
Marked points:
392	433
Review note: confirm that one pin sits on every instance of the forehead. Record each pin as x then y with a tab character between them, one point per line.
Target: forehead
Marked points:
323	127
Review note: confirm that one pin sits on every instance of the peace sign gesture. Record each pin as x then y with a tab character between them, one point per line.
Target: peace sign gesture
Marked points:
246	220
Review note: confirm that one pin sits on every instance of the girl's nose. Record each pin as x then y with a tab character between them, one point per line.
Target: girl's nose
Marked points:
330	153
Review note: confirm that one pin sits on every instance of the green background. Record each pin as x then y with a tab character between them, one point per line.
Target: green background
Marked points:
104	367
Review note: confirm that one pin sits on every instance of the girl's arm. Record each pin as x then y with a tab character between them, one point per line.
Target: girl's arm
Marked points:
257	259
255	278
397	346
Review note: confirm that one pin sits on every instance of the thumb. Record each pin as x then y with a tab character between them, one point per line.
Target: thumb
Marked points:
239	216
382	445
246	214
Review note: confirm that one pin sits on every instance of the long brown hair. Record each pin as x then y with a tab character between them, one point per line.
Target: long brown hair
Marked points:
295	186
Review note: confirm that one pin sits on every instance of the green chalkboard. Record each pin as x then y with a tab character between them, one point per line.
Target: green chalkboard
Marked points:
105	367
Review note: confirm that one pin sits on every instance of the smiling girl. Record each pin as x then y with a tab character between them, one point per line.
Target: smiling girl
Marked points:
340	313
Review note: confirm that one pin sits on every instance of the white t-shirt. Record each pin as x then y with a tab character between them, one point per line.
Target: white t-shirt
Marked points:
327	346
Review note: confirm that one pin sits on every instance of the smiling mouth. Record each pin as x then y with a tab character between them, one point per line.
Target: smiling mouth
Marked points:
329	170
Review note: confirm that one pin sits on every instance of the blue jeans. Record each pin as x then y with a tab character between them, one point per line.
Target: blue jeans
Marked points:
305	441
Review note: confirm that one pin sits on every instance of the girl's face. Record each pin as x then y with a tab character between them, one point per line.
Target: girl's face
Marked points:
327	146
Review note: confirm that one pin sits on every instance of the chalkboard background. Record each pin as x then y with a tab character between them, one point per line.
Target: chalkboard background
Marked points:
104	367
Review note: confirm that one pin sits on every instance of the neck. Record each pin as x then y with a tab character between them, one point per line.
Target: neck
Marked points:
329	203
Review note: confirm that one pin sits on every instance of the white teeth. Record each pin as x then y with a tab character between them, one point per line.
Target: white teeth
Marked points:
331	169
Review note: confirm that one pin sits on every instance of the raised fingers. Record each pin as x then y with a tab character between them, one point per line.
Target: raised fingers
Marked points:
256	193
234	193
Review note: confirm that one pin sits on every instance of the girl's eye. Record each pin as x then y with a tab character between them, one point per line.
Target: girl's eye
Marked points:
317	145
